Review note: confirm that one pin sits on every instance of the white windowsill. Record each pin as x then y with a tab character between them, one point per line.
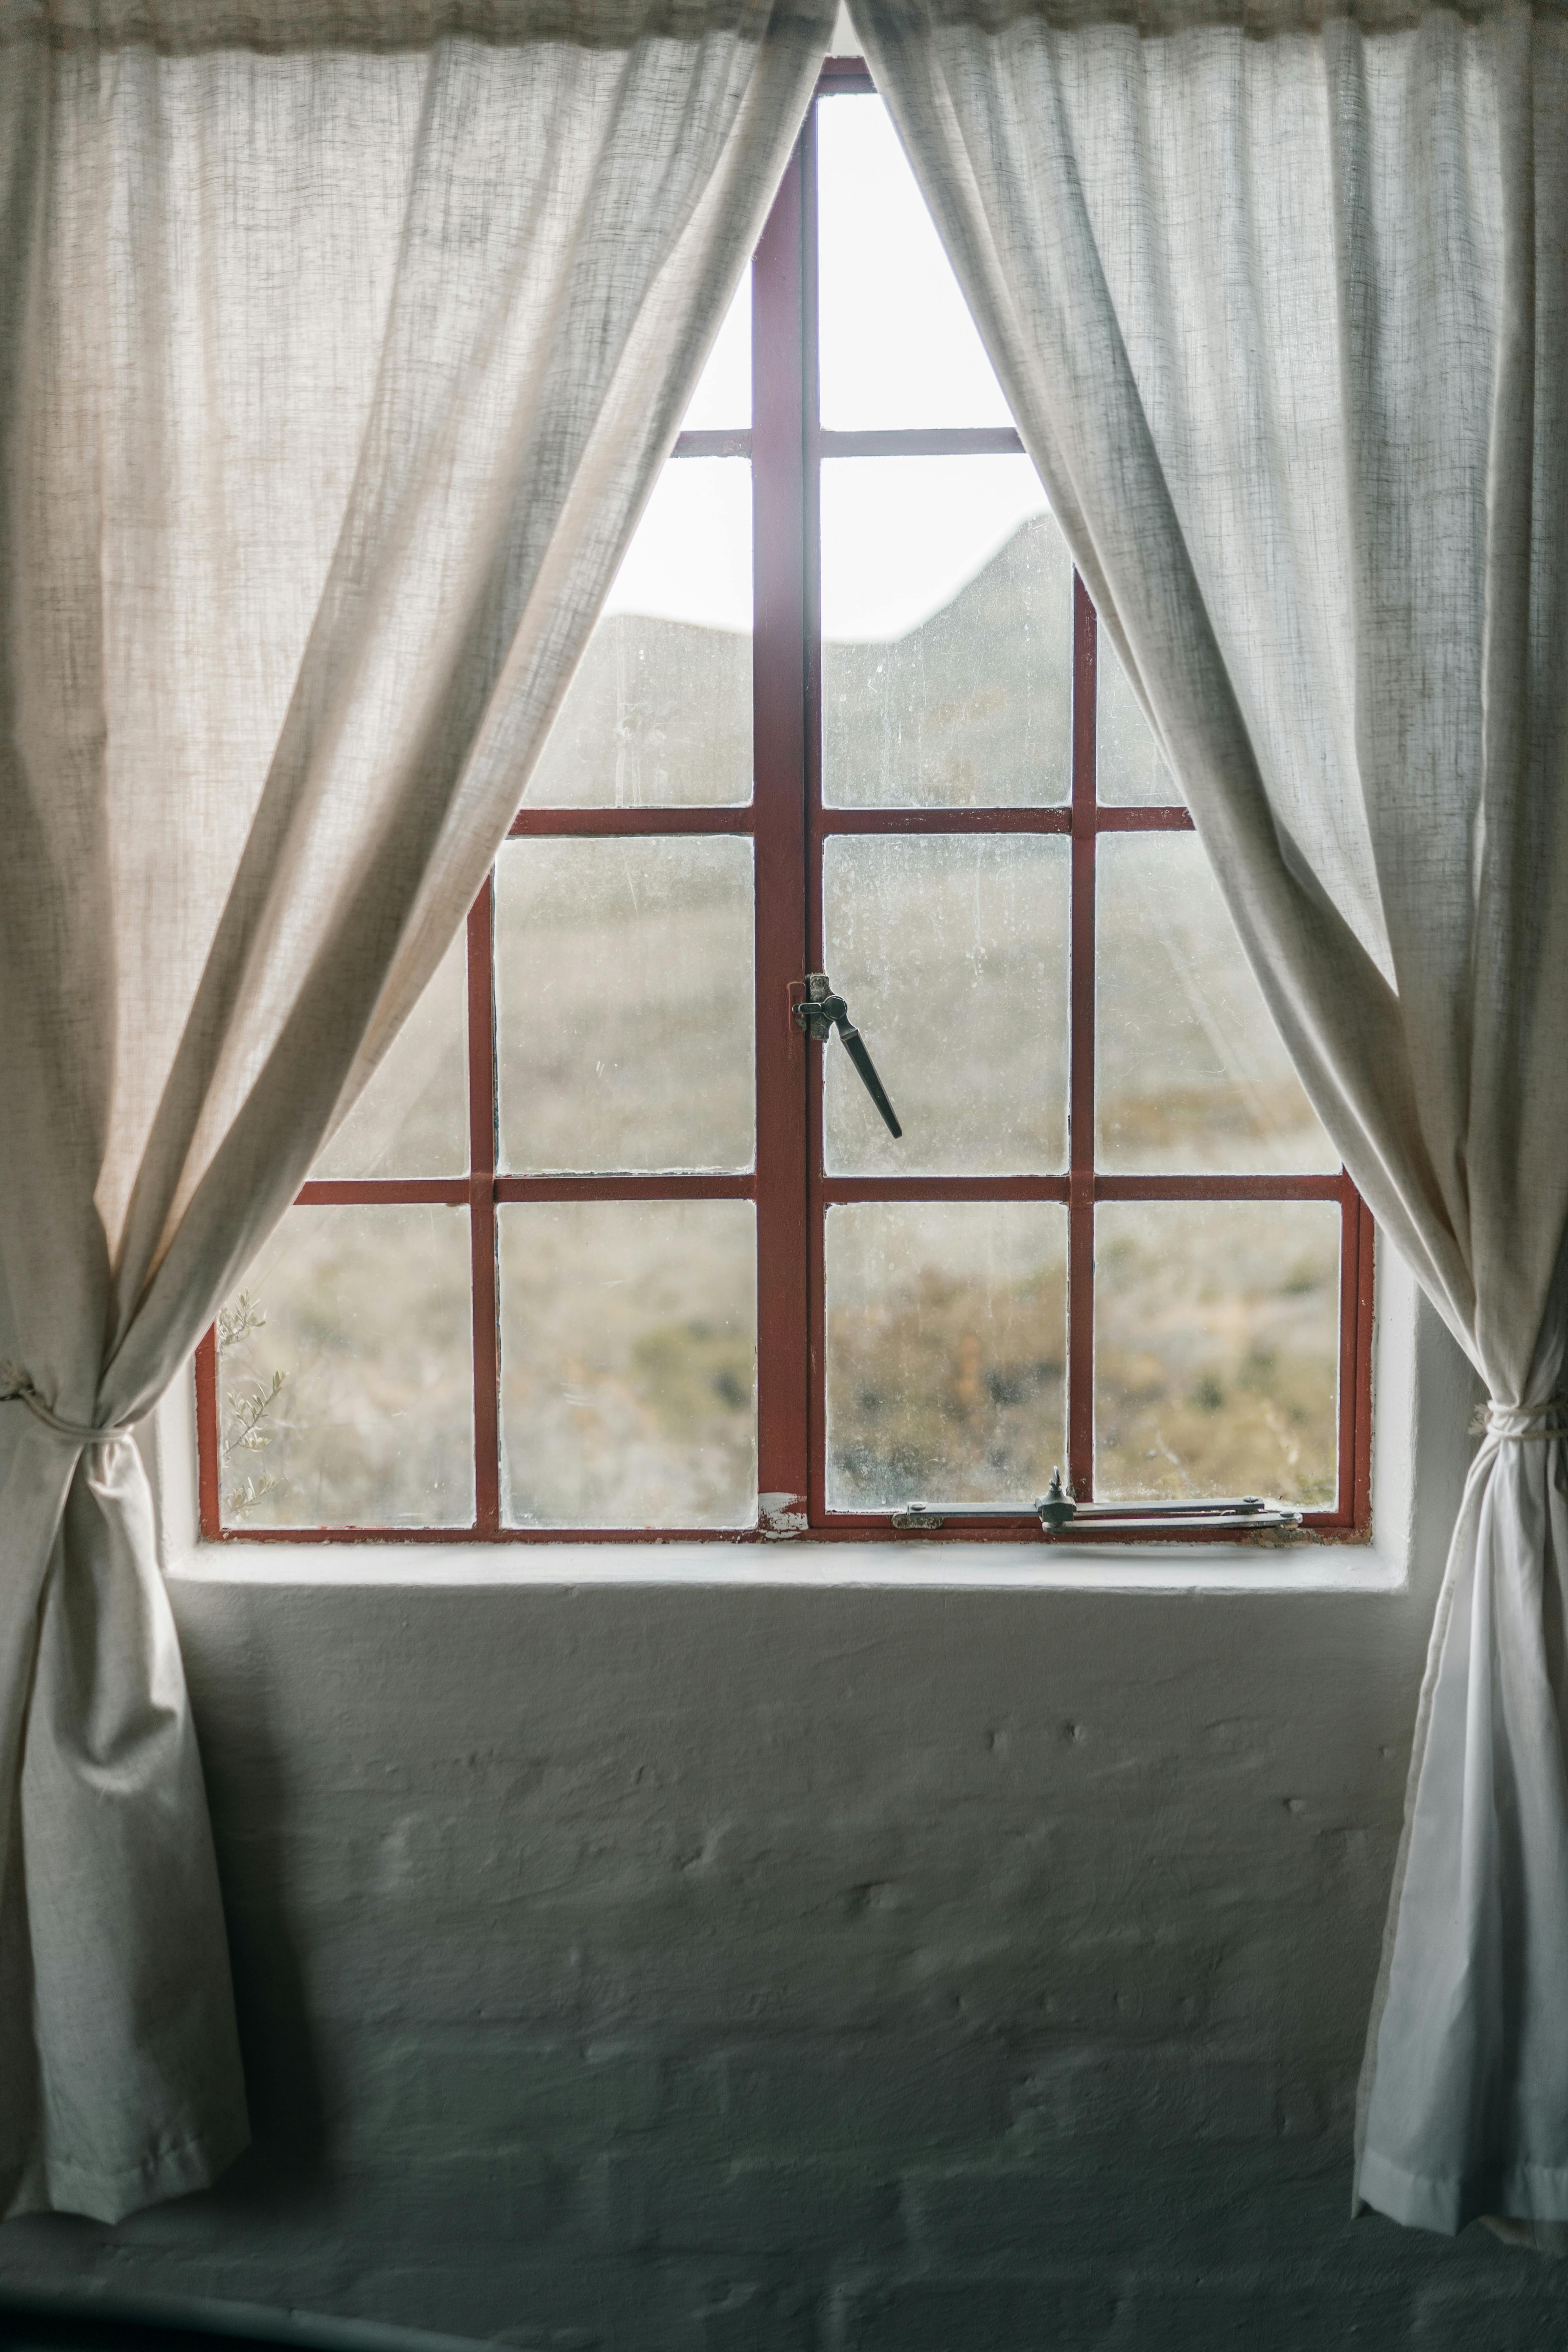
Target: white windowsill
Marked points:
901	1567
1423	1393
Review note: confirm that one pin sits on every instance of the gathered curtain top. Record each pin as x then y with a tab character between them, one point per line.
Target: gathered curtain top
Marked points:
1258	19
178	28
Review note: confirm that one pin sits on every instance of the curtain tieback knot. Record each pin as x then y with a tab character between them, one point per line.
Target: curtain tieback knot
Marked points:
1527	1424
15	1388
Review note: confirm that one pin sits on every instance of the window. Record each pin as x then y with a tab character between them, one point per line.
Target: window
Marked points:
643	1252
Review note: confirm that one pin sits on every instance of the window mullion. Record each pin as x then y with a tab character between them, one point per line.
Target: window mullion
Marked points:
779	738
1080	1052
482	1209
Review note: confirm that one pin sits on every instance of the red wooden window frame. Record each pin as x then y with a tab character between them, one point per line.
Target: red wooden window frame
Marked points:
789	826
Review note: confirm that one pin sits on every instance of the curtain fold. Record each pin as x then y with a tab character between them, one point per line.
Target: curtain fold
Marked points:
342	346
1279	296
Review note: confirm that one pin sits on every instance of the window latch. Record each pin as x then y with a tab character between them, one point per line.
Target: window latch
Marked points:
821	1013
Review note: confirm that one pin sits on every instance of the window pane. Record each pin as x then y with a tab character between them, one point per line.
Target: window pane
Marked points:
659	714
1190	1073
1129	768
899	347
946	1351
723	393
345	1374
413	1117
1217	1350
947	619
628	1363
625	1004
950	951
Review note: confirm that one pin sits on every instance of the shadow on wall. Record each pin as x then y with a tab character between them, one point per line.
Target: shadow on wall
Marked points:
101	2322
285	2172
287	2164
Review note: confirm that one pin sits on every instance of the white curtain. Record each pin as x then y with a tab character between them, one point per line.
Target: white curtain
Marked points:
339	347
1279	296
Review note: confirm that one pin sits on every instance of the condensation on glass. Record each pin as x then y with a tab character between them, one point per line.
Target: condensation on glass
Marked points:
1129	768
947	635
628	1363
951	950
658	713
627	1005
898	346
1191	1074
413	1117
345	1398
1217	1350
946	1351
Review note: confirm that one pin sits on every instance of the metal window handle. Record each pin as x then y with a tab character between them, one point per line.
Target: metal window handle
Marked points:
822	1013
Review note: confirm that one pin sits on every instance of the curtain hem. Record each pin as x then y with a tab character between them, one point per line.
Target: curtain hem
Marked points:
1448	2203
59	2185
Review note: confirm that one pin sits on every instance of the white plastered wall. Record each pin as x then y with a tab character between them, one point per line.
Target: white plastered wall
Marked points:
770	1951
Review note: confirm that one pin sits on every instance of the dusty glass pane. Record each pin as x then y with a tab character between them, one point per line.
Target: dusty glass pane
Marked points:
1190	1071
1129	768
947	646
946	1351
413	1117
1217	1350
628	1363
898	346
723	393
950	950
625	1004
345	1374
659	714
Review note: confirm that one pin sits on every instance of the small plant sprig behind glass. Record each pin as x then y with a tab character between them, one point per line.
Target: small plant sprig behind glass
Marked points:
246	1431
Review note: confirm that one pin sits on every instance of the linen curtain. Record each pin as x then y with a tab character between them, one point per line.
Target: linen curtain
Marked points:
1278	294
340	348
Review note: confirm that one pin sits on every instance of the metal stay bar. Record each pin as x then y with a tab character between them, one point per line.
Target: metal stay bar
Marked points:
1057	1512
